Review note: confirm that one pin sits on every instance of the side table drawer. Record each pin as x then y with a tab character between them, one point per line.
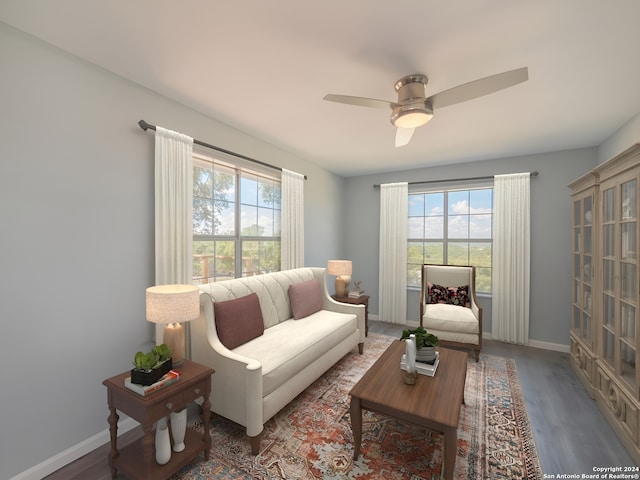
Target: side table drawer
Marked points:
194	392
175	402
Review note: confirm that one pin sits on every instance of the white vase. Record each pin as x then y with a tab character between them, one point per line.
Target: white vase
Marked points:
163	442
178	429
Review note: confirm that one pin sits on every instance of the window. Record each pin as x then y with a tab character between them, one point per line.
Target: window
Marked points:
451	227
236	221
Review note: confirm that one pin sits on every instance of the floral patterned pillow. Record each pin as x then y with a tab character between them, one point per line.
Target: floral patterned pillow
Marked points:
436	293
458	296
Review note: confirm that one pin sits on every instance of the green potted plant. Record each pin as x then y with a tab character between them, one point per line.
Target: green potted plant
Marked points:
426	344
151	366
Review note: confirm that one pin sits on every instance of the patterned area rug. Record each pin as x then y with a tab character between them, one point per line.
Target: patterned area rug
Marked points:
311	438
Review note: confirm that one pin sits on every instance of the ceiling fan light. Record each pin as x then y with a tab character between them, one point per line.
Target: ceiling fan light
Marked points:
411	116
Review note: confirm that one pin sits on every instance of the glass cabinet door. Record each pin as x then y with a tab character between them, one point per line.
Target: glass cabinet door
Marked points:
619	332
582	324
628	282
609	275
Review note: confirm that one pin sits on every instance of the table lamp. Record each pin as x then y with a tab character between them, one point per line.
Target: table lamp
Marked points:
342	270
171	305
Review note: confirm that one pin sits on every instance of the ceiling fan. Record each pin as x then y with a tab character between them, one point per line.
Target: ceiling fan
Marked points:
414	109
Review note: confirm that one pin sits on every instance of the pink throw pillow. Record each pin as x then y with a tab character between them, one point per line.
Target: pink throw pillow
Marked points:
305	298
238	320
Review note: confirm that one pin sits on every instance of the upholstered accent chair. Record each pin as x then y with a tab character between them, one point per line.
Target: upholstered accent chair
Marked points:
449	308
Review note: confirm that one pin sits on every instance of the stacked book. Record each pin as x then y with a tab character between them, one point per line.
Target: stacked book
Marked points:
168	379
421	367
356	293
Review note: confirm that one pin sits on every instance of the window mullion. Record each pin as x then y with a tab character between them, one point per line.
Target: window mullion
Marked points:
237	220
445	230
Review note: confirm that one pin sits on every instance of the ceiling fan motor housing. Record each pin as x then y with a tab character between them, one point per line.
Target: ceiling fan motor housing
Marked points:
412	109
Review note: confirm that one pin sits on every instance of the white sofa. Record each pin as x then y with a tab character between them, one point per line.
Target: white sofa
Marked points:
255	380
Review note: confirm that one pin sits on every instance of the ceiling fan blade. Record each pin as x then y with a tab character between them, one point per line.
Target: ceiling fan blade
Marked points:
359	101
479	88
403	136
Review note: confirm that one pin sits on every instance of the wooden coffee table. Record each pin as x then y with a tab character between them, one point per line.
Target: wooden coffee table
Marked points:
432	402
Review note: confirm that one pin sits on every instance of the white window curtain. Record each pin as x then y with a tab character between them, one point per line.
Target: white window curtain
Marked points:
394	200
511	258
173	209
292	221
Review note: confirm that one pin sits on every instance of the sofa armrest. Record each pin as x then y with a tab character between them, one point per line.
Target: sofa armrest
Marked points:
328	303
236	376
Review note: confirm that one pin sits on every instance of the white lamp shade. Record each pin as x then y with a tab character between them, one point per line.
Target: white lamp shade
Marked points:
173	303
339	267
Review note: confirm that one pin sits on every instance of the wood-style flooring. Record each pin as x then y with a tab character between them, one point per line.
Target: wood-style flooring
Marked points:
572	436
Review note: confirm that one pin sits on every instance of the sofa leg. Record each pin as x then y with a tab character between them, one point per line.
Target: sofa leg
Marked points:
361	348
255	444
477	353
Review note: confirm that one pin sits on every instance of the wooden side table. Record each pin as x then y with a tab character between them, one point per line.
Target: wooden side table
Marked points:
363	300
137	460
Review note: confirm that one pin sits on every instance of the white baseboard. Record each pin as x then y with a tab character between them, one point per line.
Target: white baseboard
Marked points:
556	347
73	453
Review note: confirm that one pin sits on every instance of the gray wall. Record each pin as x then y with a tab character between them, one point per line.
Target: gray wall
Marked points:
620	140
550	232
76	209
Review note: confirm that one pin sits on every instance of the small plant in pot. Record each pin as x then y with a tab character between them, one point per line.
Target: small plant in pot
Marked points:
151	366
426	344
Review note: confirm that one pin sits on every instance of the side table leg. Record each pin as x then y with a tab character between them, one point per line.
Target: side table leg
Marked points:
113	433
206	415
148	445
356	425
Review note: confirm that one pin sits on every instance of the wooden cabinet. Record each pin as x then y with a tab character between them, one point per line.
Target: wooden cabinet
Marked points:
606	298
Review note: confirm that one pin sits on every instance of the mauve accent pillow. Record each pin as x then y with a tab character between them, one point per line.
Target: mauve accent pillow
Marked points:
305	298
238	320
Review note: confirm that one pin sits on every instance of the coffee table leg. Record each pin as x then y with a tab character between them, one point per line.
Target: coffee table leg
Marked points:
450	447
356	425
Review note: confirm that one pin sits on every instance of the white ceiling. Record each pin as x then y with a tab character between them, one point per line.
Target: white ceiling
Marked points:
264	68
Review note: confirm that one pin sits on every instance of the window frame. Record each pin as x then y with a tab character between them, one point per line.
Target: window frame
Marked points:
447	240
240	169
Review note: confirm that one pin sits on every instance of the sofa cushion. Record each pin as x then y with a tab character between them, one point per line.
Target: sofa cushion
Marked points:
238	320
450	318
314	336
305	298
272	290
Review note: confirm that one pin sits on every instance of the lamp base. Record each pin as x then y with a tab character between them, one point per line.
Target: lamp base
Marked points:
173	336
341	288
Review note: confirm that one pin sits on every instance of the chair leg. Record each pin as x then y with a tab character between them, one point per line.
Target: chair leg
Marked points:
477	354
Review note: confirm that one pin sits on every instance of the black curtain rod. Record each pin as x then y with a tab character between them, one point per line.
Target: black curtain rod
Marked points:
488	177
145	126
